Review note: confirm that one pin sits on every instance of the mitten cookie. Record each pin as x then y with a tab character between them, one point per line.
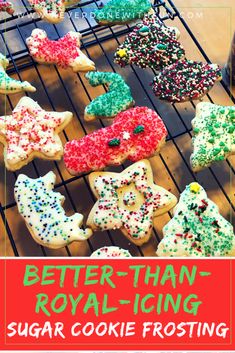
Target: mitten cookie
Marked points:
150	44
7	84
214	134
111	251
135	134
6	6
108	105
122	11
186	80
128	201
44	215
51	10
64	52
31	132
197	228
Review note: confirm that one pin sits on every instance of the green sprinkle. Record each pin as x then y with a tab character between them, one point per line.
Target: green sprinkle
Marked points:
114	142
138	129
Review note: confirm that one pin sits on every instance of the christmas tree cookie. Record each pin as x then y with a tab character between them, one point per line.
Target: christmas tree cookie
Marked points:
108	105
197	228
122	11
186	80
7	84
214	134
128	201
6	6
44	215
150	44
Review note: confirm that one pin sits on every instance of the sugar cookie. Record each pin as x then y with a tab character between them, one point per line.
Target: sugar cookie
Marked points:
214	134
150	44
128	201
31	132
108	105
44	215
64	52
7	84
6	6
197	228
186	80
135	134
111	251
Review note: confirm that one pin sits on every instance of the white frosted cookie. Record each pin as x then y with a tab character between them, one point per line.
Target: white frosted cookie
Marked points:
197	228
214	134
128	201
31	132
44	215
64	52
7	84
6	6
111	251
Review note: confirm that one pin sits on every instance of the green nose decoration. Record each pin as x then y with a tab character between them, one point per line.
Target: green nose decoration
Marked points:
161	46
144	31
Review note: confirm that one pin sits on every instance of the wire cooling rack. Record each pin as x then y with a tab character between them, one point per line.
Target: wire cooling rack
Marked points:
63	90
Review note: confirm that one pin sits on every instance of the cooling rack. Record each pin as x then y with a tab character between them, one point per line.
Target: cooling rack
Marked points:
61	90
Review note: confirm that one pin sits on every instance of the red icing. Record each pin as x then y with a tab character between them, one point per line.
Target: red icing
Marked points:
92	152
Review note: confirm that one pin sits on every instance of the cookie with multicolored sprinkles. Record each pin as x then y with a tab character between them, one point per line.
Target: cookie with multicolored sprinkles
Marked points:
108	105
128	201
214	134
51	10
6	6
111	252
44	215
64	52
31	132
186	80
150	44
197	228
9	85
135	134
122	11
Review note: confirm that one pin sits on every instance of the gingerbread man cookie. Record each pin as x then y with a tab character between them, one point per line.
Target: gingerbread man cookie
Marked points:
135	134
31	132
6	6
128	201
7	84
51	10
44	215
111	251
64	52
150	44
197	228
108	105
186	80
214	134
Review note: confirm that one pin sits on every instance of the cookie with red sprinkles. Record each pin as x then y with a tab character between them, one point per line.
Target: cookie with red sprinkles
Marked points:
64	52
6	6
150	44
197	228
134	134
128	201
111	252
186	80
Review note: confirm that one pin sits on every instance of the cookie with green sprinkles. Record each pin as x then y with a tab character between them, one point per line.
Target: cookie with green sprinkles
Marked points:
185	80
150	44
9	85
111	252
44	215
128	201
214	134
197	228
108	105
122	11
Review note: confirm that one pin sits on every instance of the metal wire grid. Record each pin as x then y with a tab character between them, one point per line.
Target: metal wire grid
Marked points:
94	35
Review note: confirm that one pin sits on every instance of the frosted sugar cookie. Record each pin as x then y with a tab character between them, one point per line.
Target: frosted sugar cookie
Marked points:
6	6
111	251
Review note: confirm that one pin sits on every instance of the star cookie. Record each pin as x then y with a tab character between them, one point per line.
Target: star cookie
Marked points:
44	215
51	10
150	44
108	105
186	80
197	228
31	132
111	252
6	6
7	84
128	201
135	134
214	134
64	52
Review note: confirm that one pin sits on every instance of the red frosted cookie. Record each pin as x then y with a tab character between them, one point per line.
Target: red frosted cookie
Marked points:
135	134
6	6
